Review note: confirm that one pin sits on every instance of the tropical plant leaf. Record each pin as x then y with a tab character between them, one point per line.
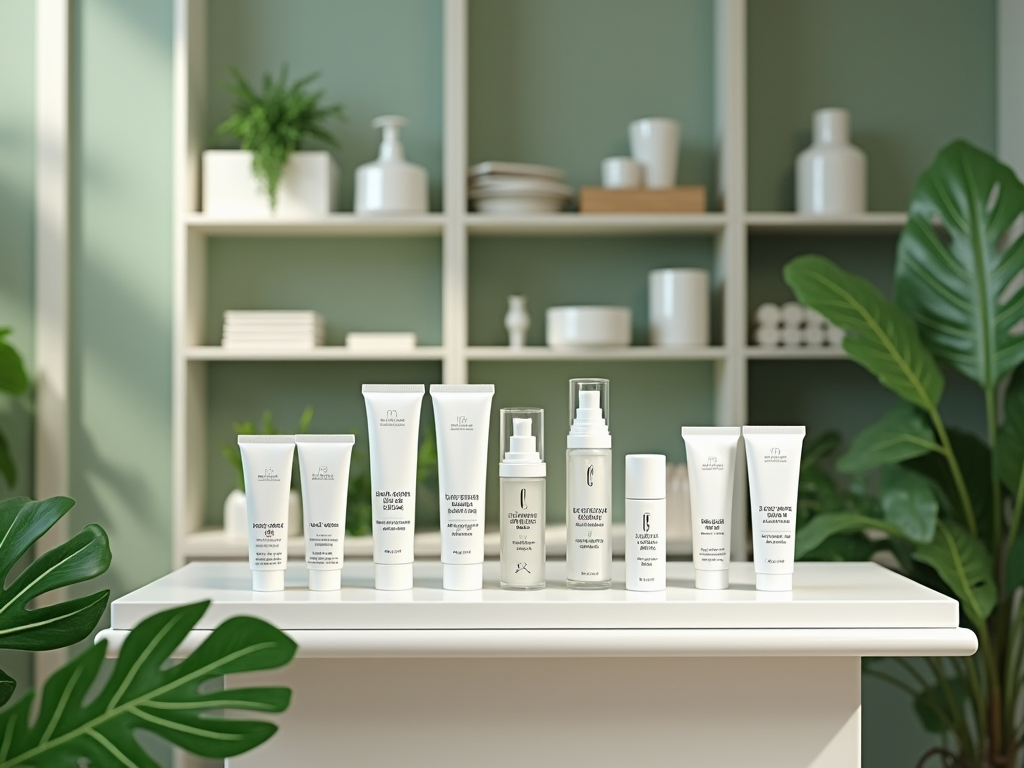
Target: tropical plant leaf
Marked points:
7	686
1010	440
83	557
1015	565
843	548
818	449
932	704
13	378
955	286
900	434
909	503
822	527
879	335
965	565
7	466
144	693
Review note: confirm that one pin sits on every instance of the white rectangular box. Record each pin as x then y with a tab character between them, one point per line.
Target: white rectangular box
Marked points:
308	187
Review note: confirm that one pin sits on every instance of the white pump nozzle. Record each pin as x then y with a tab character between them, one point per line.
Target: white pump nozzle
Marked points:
391	144
522	427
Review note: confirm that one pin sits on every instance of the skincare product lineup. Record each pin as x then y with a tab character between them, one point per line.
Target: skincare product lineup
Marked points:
462	416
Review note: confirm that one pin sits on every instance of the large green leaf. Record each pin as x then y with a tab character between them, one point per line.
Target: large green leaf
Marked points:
12	371
879	335
7	467
1015	565
901	434
145	693
822	527
909	502
79	559
964	564
934	709
7	686
1010	441
954	282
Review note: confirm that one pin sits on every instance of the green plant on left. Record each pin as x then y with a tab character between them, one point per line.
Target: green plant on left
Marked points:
78	717
14	381
275	122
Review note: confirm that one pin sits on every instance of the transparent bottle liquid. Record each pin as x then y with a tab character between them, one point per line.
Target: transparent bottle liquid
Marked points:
522	483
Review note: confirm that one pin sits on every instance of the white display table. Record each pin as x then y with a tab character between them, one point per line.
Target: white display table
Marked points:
567	678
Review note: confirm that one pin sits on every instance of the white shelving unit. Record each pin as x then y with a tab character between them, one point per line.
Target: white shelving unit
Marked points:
729	229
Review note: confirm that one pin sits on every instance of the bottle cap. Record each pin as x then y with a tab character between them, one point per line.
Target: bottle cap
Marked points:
645	476
325	581
267	581
392	576
463	577
774	582
522	443
589	413
712	579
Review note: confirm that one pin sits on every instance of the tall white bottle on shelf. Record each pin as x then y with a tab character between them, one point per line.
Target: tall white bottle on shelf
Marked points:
831	174
588	487
391	184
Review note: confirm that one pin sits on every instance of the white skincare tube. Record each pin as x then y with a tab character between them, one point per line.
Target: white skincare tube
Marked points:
267	469
462	419
711	468
393	425
773	469
323	466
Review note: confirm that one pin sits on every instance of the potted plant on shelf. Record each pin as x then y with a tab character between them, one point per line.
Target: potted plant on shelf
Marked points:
270	174
949	504
234	505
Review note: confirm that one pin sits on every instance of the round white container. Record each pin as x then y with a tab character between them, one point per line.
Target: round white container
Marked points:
679	307
589	326
654	143
621	173
831	174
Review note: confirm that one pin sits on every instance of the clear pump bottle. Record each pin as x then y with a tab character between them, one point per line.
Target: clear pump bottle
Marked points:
588	486
522	479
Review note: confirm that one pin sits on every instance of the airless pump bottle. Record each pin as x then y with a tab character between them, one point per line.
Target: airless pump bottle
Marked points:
588	487
522	480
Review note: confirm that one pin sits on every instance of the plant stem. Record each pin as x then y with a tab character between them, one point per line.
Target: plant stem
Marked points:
955	709
954	469
992	424
1018	506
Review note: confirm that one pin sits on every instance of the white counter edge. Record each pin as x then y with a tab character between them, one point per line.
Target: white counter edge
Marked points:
527	643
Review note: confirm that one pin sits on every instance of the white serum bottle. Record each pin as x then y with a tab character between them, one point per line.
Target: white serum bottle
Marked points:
522	479
588	486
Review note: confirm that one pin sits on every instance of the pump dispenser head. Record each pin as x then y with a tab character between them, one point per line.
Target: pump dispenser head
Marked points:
390	144
589	413
522	443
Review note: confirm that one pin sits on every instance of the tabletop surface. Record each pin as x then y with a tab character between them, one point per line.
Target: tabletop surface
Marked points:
825	596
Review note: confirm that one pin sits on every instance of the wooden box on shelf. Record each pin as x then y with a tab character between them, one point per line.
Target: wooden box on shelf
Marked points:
689	199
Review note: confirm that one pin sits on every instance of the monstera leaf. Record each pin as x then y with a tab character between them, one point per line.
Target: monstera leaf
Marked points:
1010	442
13	380
83	557
954	283
899	435
964	564
879	335
145	693
823	527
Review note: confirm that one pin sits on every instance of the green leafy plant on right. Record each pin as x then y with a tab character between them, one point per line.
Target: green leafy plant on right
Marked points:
275	121
14	381
949	504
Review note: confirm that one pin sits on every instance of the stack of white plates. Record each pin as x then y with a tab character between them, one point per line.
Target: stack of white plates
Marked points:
272	329
517	188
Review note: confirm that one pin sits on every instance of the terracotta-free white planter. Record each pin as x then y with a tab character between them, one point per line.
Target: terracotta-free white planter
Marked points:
236	524
308	187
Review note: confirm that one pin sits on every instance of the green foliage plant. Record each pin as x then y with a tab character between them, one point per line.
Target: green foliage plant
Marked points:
949	504
14	381
233	454
275	121
80	717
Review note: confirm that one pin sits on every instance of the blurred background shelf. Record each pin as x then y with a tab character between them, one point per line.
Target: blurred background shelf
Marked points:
599	353
638	224
217	353
788	223
334	225
796	353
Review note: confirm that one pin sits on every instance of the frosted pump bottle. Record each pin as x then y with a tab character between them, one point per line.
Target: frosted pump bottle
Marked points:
588	487
522	480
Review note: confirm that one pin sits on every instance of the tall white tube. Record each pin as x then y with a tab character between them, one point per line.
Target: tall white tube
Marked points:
773	469
393	426
711	467
462	419
324	462
267	470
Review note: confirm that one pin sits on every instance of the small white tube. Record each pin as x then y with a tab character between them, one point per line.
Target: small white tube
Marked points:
462	420
393	426
711	466
773	469
267	470
324	462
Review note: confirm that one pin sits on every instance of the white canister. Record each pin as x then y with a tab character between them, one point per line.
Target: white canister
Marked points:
645	522
679	307
654	143
831	174
621	173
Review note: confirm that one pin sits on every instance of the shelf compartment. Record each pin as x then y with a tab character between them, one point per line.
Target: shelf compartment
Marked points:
796	353
536	353
787	223
329	353
333	225
569	224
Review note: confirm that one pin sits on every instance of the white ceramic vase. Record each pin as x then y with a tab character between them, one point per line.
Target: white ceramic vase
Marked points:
237	524
831	174
517	321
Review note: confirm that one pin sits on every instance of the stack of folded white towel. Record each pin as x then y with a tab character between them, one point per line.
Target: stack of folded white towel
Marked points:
793	325
276	329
